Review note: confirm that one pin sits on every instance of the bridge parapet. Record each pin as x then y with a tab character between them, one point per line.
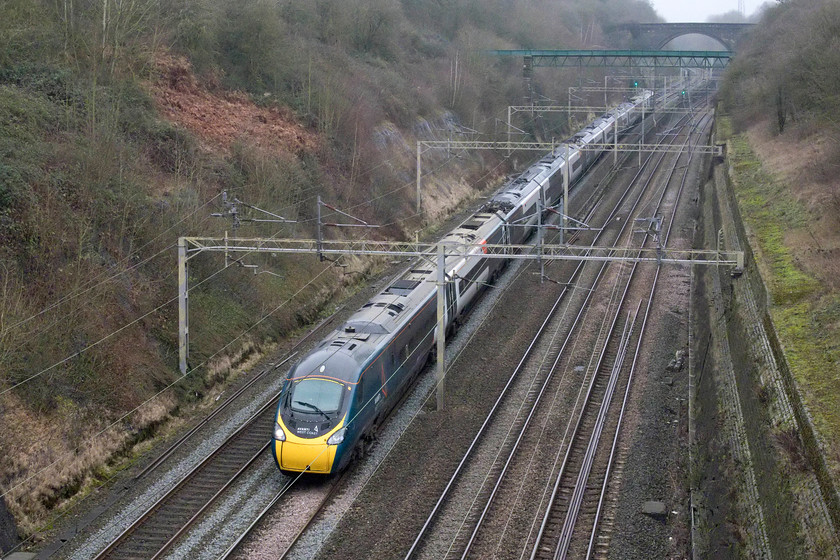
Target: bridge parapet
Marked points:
657	35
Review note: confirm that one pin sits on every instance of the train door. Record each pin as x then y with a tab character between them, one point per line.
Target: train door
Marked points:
451	309
543	197
374	386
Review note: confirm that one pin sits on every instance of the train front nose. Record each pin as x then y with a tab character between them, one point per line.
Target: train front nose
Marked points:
305	455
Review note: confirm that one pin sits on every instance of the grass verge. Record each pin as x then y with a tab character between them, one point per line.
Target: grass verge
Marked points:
804	310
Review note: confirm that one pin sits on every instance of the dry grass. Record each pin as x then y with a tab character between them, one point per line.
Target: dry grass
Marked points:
219	369
788	439
59	456
787	205
802	162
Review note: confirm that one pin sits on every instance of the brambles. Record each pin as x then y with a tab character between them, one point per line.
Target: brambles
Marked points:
112	146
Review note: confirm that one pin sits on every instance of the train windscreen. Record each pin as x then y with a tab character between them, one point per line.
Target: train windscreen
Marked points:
316	395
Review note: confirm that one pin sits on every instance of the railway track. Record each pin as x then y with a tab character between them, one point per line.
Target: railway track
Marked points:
604	517
294	527
580	486
468	542
153	533
156	530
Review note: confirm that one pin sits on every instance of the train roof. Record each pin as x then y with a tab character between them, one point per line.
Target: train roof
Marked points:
345	351
335	359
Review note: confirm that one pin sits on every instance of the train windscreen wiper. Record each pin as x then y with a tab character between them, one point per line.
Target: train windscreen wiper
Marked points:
313	407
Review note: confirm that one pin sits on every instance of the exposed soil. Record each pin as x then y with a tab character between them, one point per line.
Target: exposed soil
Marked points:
219	119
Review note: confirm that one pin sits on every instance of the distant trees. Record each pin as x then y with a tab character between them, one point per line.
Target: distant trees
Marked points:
374	26
732	16
789	66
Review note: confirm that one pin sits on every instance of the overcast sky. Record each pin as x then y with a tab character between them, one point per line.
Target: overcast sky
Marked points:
679	11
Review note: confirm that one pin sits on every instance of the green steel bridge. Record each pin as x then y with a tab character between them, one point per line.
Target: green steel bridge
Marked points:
620	58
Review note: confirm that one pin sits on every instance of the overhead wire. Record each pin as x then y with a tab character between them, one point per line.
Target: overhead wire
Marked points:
243	334
177	380
117	331
397	369
110	335
88	288
452	362
223	348
106	280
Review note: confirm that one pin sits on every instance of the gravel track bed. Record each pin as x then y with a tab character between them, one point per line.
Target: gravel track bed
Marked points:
531	478
149	491
232	514
411	477
652	458
419	404
526	481
98	519
361	473
639	291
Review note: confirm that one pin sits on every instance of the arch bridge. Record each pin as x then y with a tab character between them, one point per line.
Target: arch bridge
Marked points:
657	35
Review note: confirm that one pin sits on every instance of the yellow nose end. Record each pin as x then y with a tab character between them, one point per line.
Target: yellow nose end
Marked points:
316	457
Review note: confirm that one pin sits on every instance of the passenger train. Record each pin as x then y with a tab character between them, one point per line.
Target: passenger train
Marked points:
333	399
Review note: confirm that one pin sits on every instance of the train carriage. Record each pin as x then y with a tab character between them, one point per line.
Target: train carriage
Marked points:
335	396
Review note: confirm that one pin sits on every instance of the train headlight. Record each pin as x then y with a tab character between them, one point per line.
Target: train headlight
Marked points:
337	437
279	434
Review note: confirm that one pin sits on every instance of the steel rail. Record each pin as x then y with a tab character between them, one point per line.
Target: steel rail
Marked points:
595	436
180	531
571	515
292	352
566	534
549	376
228	553
512	378
595	525
233	548
531	413
210	502
172	492
185	437
218	410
